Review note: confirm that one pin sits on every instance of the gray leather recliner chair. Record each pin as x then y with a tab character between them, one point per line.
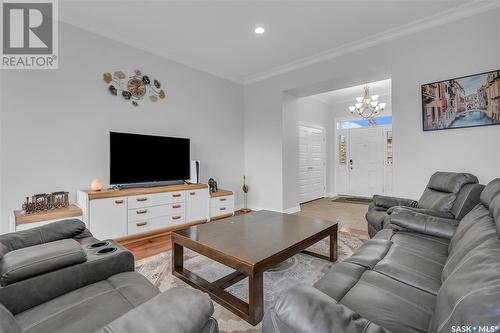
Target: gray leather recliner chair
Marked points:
58	278
407	281
448	195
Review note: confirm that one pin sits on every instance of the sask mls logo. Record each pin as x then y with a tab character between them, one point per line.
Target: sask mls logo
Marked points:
29	34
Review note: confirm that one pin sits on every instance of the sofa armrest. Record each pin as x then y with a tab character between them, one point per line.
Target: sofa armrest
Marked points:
303	308
180	310
408	219
388	202
27	262
25	294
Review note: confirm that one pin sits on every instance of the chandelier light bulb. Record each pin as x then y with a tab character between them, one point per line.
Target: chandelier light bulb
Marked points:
367	107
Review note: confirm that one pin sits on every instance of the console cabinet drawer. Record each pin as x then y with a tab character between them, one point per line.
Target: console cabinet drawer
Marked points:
154	224
221	210
222	201
156	199
155	211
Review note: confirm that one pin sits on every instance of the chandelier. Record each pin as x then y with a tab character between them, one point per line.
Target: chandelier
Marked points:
367	107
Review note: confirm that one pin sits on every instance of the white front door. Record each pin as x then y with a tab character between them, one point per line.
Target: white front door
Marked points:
311	163
366	161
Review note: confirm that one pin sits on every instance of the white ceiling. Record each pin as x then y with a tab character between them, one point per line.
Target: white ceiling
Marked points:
381	88
217	36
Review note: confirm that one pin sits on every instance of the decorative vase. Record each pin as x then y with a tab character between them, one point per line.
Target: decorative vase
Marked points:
245	193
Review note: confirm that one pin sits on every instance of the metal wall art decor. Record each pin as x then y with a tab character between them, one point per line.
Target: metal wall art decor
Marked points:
135	87
45	201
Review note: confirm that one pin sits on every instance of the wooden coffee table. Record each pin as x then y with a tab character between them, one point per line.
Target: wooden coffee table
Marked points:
251	244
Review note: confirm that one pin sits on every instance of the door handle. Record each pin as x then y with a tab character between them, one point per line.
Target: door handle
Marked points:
351	164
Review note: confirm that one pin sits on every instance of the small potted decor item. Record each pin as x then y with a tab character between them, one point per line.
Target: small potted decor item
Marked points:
245	192
96	185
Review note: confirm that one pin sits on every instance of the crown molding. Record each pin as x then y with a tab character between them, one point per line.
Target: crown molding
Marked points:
451	15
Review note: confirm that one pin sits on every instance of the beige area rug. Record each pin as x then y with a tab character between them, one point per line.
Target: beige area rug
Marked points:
299	269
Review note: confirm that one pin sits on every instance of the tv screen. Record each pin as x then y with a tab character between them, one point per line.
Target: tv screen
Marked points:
136	158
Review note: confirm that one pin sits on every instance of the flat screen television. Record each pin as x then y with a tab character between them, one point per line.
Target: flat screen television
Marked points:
136	159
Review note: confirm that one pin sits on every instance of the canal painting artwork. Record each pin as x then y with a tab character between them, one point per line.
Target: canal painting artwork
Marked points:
462	102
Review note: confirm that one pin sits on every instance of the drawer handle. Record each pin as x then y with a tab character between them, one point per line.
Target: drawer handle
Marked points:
142	199
118	202
176	206
176	195
222	208
175	217
222	199
141	224
192	193
143	211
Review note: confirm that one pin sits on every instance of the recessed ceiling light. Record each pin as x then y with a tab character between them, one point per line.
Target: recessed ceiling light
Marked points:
259	30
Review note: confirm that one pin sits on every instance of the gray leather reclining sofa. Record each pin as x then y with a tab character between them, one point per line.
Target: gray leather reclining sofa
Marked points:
407	281
58	278
448	195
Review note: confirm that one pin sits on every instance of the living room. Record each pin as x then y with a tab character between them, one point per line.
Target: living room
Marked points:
220	237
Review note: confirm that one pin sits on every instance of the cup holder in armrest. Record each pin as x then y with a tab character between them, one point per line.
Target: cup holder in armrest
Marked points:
98	244
107	250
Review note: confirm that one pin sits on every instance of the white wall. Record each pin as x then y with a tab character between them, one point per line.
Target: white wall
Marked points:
297	110
55	123
469	46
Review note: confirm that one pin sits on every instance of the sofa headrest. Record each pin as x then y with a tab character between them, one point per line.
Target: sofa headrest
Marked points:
495	212
70	228
450	182
490	191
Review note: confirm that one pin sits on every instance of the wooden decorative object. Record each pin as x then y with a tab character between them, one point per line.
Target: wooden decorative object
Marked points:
135	87
245	189
45	201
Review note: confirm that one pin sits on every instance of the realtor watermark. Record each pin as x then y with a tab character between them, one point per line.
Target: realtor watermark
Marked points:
29	34
475	329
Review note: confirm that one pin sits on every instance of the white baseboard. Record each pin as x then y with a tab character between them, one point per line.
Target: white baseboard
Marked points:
331	195
292	210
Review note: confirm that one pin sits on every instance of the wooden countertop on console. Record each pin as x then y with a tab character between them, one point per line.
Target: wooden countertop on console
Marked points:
60	213
109	193
221	193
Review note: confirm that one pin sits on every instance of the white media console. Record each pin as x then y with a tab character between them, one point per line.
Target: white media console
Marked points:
125	213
